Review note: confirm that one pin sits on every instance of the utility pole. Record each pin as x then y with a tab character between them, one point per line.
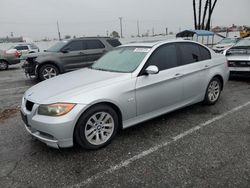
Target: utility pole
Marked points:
120	18
138	29
59	34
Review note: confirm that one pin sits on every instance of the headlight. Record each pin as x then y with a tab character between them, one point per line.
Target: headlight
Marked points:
57	109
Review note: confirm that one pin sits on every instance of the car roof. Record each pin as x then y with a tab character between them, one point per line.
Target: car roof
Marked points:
154	43
93	38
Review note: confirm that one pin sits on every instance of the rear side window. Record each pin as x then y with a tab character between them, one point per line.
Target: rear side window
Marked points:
164	57
94	44
21	48
190	53
205	54
114	42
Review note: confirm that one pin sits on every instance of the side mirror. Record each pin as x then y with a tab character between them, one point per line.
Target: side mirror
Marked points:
152	69
65	51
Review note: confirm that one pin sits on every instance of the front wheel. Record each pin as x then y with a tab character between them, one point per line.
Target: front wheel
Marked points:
3	65
47	71
96	127
213	91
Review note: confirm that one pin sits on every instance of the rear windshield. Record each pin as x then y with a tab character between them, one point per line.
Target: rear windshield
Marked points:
114	42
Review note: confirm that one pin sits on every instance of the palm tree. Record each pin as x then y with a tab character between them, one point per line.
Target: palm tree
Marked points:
208	8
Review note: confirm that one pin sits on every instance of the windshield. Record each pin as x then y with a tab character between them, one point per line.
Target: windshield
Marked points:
124	59
57	47
243	43
227	41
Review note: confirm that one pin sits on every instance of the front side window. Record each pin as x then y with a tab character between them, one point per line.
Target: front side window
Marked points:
57	47
125	59
74	46
165	57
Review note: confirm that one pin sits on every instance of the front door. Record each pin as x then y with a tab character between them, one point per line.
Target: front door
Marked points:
160	92
72	55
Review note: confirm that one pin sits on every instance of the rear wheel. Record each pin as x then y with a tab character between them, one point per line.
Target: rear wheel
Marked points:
47	71
97	127
213	91
3	65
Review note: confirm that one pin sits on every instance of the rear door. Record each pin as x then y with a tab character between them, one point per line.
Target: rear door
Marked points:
163	91
195	63
72	55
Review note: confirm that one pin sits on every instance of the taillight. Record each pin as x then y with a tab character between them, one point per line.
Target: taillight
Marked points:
18	54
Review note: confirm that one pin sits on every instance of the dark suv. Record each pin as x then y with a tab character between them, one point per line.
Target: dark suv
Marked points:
66	56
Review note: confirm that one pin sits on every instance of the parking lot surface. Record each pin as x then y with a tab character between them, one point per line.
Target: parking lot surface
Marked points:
198	146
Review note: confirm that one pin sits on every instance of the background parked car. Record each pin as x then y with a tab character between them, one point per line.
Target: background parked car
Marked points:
239	58
25	48
11	57
224	44
129	85
66	56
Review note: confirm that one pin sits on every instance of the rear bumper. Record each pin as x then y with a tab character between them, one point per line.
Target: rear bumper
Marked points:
240	73
14	61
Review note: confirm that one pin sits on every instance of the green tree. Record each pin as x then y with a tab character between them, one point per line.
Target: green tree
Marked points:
115	34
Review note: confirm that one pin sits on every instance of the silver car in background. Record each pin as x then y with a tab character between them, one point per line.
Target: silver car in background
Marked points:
131	84
239	58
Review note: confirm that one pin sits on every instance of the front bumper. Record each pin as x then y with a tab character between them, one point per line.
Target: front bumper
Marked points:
56	132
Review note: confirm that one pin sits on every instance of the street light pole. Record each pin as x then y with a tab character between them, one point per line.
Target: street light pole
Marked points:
120	18
59	34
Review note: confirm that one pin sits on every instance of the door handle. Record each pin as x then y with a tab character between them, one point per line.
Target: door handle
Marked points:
82	53
206	66
177	75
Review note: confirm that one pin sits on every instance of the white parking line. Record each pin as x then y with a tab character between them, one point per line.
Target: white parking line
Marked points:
157	147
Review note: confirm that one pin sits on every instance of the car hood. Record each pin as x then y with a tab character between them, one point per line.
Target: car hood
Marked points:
223	45
32	55
67	86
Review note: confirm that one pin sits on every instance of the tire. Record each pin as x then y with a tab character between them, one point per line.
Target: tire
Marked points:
47	71
213	91
3	65
96	127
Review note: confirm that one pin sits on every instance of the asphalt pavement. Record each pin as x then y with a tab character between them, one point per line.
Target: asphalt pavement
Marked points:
198	146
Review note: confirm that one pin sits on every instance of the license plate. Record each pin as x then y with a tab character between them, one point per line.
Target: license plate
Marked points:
24	118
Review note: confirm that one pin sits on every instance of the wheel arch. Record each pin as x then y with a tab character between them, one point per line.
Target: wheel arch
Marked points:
108	103
221	80
48	63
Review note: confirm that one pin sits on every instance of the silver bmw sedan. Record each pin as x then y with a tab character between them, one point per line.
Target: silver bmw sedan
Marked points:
131	84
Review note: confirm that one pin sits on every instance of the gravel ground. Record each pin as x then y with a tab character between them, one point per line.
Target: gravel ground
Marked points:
198	146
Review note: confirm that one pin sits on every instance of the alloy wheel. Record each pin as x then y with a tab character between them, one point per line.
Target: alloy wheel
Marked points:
99	128
213	91
49	72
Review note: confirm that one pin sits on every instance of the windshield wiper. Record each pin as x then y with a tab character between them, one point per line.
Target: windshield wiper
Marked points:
240	47
106	70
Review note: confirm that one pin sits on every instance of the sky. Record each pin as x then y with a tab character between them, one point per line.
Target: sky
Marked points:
37	18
